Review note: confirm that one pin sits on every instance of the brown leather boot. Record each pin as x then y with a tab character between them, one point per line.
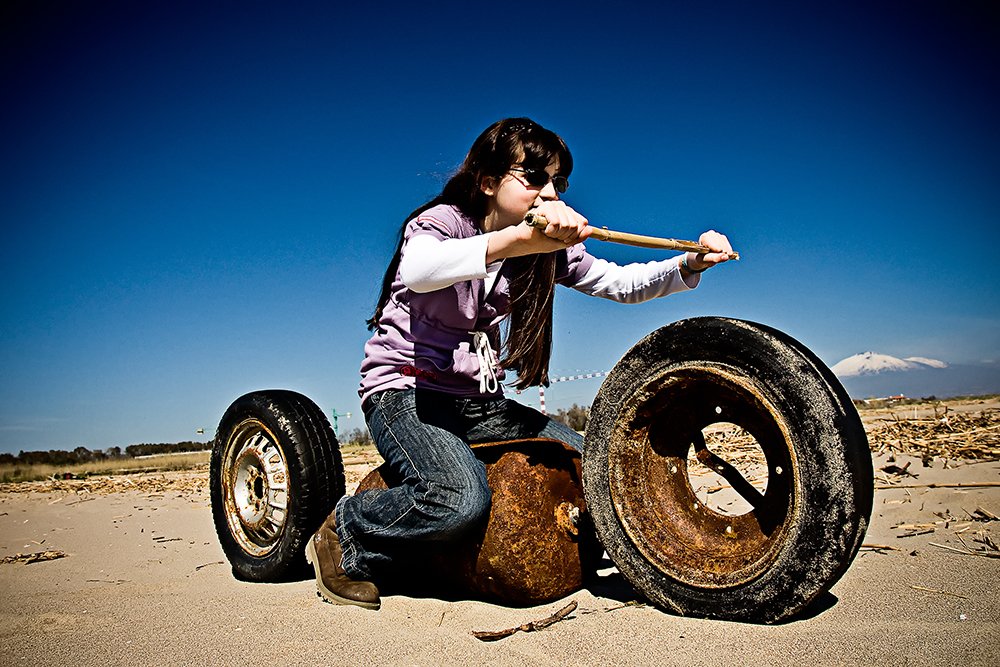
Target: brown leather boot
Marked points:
323	552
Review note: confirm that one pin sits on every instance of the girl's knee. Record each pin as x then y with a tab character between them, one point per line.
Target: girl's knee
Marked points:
457	511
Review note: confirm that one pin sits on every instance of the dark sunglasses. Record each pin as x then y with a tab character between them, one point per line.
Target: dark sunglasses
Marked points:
539	178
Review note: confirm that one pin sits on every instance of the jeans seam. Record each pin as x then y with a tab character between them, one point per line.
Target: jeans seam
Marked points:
388	427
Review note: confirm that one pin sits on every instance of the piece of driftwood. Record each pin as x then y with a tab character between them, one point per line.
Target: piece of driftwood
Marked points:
488	636
985	554
914	533
880	547
27	559
933	485
986	515
218	562
896	470
936	590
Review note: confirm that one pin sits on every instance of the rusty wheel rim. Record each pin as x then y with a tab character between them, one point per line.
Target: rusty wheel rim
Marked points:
255	488
651	492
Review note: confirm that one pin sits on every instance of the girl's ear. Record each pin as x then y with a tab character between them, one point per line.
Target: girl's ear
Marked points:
488	186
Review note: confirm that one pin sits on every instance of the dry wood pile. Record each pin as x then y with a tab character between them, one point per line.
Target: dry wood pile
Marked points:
732	443
184	481
188	481
947	435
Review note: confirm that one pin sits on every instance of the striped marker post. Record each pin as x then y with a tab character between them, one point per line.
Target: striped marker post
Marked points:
587	376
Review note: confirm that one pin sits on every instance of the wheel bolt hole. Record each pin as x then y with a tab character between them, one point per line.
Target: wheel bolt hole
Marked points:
718	409
258	487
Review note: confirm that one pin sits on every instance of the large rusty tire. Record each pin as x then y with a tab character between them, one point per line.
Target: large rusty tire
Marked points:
276	474
797	538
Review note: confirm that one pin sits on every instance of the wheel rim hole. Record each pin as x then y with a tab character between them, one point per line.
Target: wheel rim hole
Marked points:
258	487
739	449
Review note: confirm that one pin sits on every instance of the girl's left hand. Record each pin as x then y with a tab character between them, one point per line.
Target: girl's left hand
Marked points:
720	251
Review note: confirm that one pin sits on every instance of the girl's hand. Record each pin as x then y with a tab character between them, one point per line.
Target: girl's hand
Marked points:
720	247
565	228
565	224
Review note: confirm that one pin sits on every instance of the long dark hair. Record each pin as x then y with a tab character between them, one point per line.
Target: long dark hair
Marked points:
503	144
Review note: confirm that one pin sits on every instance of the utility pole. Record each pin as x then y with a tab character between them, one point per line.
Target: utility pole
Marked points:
335	415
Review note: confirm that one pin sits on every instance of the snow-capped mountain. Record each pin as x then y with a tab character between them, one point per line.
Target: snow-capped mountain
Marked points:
871	363
879	375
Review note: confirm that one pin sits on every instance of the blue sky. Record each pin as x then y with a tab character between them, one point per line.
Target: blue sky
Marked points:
198	199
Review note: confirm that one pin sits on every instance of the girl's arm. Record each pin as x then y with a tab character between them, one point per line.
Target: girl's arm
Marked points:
635	283
429	263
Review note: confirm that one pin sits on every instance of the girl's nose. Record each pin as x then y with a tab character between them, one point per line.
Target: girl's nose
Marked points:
549	192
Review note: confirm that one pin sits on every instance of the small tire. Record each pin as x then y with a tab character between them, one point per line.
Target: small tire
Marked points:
799	536
276	474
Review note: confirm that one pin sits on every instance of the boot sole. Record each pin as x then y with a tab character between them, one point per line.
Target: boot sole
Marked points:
325	592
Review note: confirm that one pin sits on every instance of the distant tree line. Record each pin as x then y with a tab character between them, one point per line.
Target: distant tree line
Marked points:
357	437
576	417
58	457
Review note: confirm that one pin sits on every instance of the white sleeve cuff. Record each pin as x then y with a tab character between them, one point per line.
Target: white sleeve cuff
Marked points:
635	283
429	263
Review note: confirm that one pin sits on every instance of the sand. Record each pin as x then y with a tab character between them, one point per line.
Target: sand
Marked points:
145	582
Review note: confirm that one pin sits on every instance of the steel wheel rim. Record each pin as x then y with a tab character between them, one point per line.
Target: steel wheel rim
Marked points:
255	488
652	496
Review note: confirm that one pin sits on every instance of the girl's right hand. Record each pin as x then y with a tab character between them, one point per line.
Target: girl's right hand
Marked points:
565	224
565	228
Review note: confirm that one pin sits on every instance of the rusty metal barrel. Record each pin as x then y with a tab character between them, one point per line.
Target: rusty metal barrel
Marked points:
537	545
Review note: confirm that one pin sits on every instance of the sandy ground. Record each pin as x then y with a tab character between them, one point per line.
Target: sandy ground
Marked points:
146	583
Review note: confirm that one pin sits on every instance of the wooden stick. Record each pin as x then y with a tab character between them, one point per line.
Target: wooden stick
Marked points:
932	485
637	240
984	554
487	636
935	590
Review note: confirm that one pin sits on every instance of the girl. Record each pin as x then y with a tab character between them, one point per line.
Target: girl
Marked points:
465	263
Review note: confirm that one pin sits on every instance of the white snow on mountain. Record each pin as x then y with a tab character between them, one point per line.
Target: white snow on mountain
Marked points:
933	363
871	363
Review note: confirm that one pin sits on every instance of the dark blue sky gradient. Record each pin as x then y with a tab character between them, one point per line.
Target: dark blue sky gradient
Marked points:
199	199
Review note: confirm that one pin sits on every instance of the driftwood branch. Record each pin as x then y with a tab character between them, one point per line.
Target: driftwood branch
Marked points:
935	590
932	485
880	547
986	554
488	636
27	559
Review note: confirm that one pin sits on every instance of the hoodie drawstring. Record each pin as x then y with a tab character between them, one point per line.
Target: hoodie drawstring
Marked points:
487	363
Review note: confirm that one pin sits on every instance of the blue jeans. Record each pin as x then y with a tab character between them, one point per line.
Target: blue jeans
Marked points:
439	490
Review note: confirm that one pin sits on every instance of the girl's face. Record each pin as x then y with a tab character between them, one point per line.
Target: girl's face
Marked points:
512	197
